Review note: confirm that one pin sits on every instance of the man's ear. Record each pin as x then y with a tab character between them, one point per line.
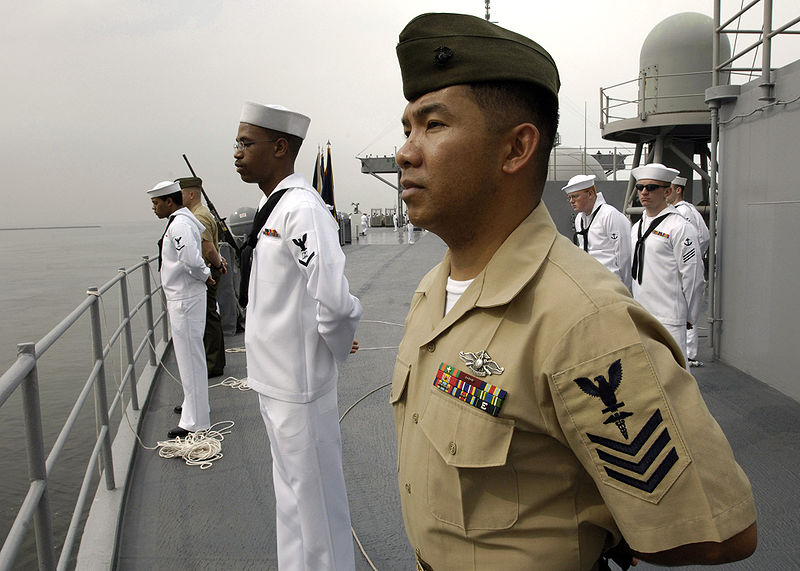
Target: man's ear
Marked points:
281	146
522	142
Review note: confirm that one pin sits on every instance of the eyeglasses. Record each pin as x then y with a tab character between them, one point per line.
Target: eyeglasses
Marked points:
577	195
242	145
650	187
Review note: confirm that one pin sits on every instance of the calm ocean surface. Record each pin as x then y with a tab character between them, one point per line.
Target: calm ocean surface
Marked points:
47	272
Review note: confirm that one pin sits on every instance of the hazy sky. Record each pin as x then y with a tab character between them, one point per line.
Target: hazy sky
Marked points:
101	97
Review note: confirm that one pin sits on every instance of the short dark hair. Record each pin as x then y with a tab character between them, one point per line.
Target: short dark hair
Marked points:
294	141
177	197
509	103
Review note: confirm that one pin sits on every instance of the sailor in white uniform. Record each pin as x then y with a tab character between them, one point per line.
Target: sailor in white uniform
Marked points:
690	212
667	268
183	276
600	229
301	320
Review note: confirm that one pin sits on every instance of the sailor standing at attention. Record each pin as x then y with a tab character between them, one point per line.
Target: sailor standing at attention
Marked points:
600	229
543	416
213	337
184	276
301	320
688	211
667	267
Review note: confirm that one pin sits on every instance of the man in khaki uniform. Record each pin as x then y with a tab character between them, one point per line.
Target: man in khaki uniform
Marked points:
542	415
213	338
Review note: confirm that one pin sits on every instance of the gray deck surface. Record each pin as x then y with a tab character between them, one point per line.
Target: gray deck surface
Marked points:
180	517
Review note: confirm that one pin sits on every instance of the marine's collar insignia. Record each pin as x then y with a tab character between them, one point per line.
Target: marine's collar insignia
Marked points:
480	394
271	233
481	363
305	256
606	390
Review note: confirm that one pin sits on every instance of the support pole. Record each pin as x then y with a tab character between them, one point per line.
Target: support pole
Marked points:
37	470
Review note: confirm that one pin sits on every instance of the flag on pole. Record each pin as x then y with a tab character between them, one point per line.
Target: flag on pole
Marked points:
319	169
327	183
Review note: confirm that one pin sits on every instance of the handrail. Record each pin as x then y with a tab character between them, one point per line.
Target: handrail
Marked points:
23	373
609	102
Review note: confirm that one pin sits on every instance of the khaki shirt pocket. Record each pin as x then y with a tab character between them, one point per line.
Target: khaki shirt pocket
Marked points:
397	399
470	481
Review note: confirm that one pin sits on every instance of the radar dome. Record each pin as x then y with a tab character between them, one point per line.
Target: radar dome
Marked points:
566	162
676	62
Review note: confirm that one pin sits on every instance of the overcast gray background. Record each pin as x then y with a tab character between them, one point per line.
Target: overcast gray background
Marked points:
101	97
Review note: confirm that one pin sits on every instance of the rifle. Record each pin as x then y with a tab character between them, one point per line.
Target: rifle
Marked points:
225	232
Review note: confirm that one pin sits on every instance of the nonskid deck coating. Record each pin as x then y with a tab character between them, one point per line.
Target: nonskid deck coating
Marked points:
179	517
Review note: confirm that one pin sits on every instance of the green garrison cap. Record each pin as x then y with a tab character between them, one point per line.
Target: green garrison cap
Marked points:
189	181
438	50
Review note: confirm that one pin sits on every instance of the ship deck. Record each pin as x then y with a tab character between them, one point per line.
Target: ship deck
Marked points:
181	517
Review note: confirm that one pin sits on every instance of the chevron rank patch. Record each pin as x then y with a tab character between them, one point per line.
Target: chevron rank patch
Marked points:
621	421
473	391
305	256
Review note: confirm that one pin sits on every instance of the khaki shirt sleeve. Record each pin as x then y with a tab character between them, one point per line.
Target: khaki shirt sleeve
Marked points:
209	223
637	422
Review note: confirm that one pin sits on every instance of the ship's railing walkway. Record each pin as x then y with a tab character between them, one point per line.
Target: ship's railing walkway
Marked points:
23	374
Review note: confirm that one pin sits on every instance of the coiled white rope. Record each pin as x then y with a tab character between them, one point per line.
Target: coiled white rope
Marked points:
232	383
201	448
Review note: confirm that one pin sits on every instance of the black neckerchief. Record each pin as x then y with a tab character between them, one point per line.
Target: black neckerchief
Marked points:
585	231
161	240
247	252
637	269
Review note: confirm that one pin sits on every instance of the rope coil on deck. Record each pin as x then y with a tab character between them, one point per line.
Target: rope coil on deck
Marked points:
201	448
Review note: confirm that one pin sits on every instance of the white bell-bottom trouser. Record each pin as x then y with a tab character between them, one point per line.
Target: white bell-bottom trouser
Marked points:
188	320
313	516
678	333
691	343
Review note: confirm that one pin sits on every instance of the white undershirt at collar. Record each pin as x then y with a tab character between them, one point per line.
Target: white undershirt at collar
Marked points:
454	291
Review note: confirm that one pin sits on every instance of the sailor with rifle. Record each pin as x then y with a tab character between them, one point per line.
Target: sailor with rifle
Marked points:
213	338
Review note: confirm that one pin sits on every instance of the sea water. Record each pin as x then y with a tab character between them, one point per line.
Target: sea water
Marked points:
46	274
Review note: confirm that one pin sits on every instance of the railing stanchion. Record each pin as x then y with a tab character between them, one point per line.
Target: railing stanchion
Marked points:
100	400
148	310
37	471
124	306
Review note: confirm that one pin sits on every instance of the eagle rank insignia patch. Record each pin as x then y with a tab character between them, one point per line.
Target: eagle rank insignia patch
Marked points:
632	441
306	255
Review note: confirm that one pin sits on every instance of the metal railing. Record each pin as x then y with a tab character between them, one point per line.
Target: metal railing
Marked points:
24	374
612	106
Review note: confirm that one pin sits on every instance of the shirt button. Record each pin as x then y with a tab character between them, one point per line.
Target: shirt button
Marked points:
453	448
431	347
408	488
415	417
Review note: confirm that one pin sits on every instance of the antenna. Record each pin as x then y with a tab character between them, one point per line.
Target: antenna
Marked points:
487	11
